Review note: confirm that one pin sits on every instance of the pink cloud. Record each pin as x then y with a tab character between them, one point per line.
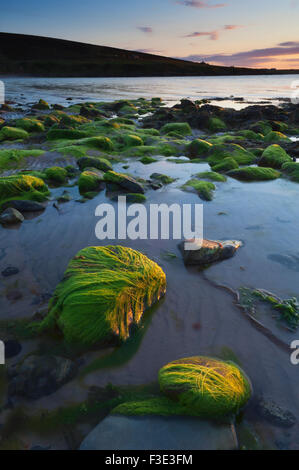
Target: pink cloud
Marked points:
198	4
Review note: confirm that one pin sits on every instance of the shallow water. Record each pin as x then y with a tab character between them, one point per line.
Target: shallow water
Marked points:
170	89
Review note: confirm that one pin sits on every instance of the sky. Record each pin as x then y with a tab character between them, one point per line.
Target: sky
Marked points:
256	33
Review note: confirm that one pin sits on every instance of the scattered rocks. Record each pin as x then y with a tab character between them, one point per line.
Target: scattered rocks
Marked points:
39	376
210	251
274	414
11	216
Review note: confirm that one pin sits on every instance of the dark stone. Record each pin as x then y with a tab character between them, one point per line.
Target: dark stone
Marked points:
39	376
10	271
274	414
12	348
11	216
27	206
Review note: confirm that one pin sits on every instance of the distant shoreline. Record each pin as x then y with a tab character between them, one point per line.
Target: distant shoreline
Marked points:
24	55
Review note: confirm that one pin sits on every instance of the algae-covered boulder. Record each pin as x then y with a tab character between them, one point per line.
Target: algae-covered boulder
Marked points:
22	187
221	151
198	148
208	251
216	124
13	133
212	175
253	173
131	140
207	387
182	128
292	169
124	181
275	136
42	105
91	180
274	156
104	292
100	163
205	189
227	164
56	174
30	125
61	134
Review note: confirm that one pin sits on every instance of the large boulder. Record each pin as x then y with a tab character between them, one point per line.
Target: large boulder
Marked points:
104	293
23	187
274	156
158	433
26	206
209	251
39	376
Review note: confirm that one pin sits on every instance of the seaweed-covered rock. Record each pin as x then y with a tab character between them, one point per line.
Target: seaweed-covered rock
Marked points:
11	216
131	140
205	386
56	174
212	175
198	148
22	187
209	251
91	180
105	291
221	151
291	169
39	376
30	125
124	181
61	134
13	133
160	177
253	173
42	105
216	124
274	157
275	136
182	128
205	189
227	164
100	163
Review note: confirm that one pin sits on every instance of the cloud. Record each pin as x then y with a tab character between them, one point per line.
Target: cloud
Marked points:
198	4
249	58
289	44
145	29
213	35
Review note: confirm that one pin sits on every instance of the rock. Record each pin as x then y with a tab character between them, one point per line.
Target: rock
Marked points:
273	413
91	180
11	216
12	348
201	386
209	252
39	376
41	105
14	295
121	284
100	163
124	181
10	271
27	206
158	433
89	111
